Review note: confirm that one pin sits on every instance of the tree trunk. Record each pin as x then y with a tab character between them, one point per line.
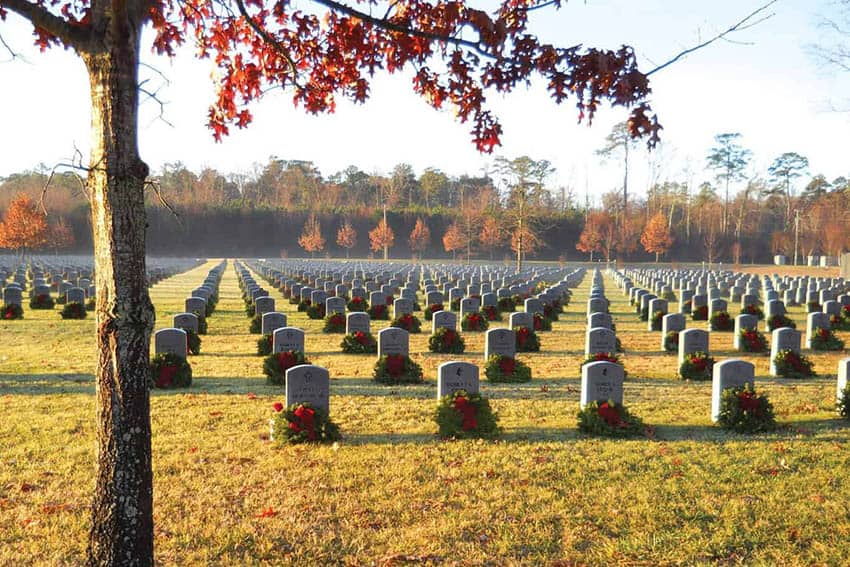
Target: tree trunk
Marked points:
122	511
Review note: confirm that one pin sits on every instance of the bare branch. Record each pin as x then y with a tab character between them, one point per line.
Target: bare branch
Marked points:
11	51
743	24
153	96
73	36
78	156
153	184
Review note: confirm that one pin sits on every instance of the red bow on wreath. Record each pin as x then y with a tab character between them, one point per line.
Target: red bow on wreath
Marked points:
395	365
467	410
166	376
507	365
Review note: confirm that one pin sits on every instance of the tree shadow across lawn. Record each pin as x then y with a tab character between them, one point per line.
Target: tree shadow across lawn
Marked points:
46	384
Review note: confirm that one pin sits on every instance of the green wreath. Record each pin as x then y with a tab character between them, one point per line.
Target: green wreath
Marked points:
359	342
474	323
501	368
461	415
408	322
397	369
526	340
42	301
609	419
334	323
73	310
696	366
169	370
275	365
791	364
265	344
447	341
744	411
303	423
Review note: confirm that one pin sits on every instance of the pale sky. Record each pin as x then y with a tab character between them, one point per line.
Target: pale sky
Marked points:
765	85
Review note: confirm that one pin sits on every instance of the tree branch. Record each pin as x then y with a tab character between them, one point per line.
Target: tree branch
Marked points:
71	36
743	24
268	39
388	25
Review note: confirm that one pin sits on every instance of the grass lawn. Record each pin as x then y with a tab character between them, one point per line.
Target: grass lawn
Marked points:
391	493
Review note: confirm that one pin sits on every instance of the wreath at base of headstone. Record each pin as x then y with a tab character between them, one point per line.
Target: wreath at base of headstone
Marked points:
454	304
474	323
700	314
461	415
721	322
526	340
506	305
303	305
42	301
12	311
431	309
250	310
500	368
275	365
408	322
357	304
316	312
643	313
170	371
696	366
551	312
751	340
202	324
657	317
838	323
791	364
378	312
604	357
397	369
334	323
753	309
302	423
359	342
446	341
671	342
60	299
609	419
541	323
825	339
264	345
91	304
778	322
491	313
193	342
73	310
814	307
843	404
742	410
256	326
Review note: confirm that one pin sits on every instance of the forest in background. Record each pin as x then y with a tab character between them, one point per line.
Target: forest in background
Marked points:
289	208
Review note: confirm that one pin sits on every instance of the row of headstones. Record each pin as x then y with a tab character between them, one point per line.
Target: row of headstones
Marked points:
702	289
406	303
76	285
392	340
302	284
600	382
174	340
599	333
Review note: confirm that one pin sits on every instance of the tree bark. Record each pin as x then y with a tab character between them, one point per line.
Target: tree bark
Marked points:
122	511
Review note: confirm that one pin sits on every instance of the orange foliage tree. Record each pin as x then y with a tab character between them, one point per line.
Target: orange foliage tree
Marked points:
656	237
491	234
590	239
382	237
346	237
525	241
61	236
311	239
453	239
420	237
23	227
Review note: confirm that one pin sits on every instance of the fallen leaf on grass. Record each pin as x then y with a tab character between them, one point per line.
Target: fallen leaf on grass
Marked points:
27	487
267	513
252	396
54	508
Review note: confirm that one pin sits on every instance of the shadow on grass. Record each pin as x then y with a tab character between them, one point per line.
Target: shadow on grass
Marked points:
46	384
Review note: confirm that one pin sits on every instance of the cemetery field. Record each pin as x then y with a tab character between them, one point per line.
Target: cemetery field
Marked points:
391	492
